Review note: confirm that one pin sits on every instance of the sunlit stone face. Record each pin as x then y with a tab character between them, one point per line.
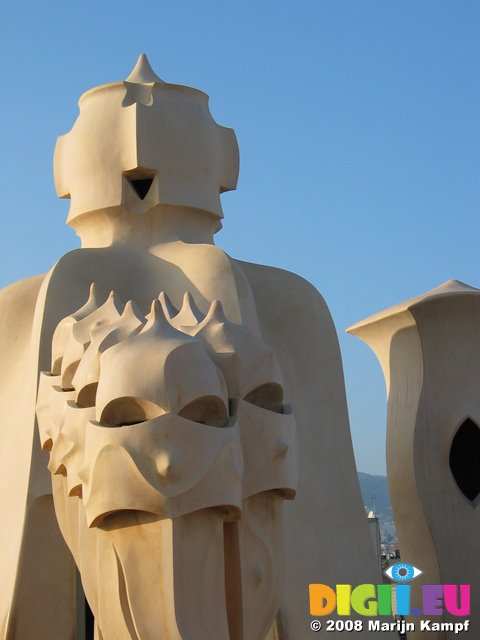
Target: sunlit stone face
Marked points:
142	143
170	415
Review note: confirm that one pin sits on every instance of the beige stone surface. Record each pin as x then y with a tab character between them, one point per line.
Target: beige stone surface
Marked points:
32	595
429	349
181	398
144	129
160	437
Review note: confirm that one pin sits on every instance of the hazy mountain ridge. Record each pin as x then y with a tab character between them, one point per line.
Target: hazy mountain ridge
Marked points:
375	486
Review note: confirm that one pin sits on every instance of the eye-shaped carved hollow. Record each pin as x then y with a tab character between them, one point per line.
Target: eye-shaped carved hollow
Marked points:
87	395
209	410
129	410
68	374
267	396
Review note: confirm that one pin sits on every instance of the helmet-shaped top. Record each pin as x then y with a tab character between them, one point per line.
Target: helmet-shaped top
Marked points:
142	143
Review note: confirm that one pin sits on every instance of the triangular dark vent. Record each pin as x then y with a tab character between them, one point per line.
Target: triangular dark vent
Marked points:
142	186
465	459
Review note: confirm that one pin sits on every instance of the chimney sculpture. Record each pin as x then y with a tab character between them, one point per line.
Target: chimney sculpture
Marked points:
184	400
429	349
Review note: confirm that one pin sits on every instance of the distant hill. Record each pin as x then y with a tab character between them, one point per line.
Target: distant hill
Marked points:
376	486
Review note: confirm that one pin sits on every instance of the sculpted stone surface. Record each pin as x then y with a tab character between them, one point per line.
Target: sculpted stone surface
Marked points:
193	442
144	143
429	349
139	419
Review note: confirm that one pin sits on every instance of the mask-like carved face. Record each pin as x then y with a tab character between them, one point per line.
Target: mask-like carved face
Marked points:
145	143
171	452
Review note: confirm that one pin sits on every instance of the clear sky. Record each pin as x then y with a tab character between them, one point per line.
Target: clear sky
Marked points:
358	126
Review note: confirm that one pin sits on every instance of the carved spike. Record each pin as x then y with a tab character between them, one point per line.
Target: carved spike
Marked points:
189	315
157	318
64	328
109	311
215	315
94	302
143	72
131	309
131	322
189	303
216	311
168	308
158	322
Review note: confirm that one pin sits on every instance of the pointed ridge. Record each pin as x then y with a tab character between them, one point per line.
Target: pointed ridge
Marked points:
130	323
216	313
157	318
114	300
216	316
143	72
129	314
156	310
189	315
117	302
131	310
81	330
94	302
168	308
94	293
189	303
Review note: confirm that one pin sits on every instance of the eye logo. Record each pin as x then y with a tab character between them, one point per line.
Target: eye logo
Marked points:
402	572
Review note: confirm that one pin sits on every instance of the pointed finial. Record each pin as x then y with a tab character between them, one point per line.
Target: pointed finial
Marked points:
216	313
169	310
189	315
143	72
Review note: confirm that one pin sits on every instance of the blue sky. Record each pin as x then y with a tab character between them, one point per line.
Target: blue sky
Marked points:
358	126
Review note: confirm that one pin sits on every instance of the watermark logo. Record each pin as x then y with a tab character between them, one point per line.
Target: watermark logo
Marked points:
376	600
402	572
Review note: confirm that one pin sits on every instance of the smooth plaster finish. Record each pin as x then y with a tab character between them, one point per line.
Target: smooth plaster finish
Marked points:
179	397
429	349
143	129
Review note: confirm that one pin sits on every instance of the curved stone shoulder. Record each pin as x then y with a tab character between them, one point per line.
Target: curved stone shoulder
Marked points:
296	323
17	307
282	276
20	293
287	299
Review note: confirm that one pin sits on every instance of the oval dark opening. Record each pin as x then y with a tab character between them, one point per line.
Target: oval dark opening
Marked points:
465	459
